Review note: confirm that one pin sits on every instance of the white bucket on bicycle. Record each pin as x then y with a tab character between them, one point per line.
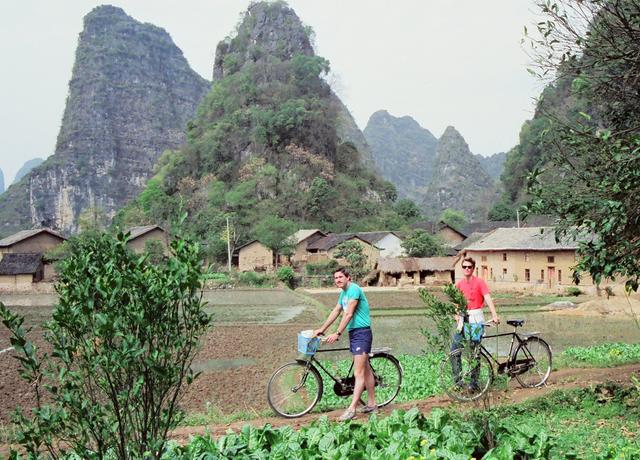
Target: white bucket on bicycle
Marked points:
307	343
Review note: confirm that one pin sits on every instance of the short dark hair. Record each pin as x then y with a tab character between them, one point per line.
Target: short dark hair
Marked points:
342	270
470	260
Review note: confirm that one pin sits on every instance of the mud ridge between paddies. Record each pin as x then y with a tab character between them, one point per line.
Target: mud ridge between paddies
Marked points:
558	380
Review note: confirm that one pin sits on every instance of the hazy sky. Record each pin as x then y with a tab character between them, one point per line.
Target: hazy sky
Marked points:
443	62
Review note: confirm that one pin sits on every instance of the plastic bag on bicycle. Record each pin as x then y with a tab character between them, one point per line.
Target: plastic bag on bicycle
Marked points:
473	332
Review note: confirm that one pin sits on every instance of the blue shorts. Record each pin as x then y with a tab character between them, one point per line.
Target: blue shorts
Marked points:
360	339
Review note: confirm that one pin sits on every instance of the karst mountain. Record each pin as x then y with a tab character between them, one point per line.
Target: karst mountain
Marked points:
130	96
272	147
425	169
460	183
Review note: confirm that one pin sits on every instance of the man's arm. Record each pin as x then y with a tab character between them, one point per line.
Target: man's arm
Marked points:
332	317
348	314
494	314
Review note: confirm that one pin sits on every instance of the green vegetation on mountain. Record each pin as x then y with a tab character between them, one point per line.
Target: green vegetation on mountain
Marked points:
403	151
1	181
264	143
460	183
580	155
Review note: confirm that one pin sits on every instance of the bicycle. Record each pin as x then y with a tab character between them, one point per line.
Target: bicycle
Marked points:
296	387
529	361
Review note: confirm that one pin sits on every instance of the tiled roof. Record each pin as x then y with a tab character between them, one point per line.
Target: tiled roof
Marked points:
20	264
24	234
374	237
435	227
302	235
139	231
332	240
529	238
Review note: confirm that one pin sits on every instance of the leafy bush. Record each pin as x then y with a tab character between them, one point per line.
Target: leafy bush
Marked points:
573	291
322	268
442	314
124	335
287	276
256	279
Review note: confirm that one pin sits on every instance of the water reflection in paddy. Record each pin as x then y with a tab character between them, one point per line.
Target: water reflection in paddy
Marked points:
402	333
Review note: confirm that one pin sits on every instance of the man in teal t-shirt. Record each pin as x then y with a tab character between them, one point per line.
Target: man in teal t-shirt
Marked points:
356	319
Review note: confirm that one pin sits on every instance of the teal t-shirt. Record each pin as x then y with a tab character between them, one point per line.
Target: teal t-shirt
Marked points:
361	316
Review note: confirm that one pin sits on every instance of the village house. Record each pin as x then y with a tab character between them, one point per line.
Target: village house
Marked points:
35	241
23	256
301	239
389	243
401	271
324	248
144	237
20	271
449	235
527	259
254	256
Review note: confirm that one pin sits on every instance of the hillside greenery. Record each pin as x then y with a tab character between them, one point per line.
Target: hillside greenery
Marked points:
589	169
264	144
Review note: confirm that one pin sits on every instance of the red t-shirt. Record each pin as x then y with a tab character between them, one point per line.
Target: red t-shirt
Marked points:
474	291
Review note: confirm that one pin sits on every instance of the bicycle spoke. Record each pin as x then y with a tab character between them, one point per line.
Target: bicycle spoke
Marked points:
294	389
532	362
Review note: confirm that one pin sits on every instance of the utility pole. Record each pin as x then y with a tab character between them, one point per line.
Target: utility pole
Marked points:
228	245
518	217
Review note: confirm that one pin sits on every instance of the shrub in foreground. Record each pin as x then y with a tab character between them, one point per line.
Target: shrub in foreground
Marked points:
124	335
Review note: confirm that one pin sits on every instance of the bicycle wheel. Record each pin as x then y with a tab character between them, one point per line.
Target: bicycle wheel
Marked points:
466	374
294	389
532	364
387	373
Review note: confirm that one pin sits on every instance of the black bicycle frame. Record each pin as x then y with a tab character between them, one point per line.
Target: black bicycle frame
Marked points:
312	359
511	360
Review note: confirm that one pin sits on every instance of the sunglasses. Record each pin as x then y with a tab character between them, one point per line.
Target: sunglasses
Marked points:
467	267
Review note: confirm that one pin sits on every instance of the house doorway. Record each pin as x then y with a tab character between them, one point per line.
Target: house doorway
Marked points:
485	273
551	276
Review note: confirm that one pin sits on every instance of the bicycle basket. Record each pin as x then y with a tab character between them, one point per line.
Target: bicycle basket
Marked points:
307	345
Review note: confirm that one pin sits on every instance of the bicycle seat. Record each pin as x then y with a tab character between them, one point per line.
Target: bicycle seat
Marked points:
515	322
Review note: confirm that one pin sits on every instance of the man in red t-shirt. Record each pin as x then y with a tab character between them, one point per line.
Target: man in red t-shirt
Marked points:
476	292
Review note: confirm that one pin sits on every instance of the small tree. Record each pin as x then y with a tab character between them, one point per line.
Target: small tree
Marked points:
274	232
124	335
407	209
442	313
455	219
353	253
422	244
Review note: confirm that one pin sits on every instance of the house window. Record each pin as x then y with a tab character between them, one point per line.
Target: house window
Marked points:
542	275
550	259
559	276
491	273
483	258
527	274
504	272
504	256
526	257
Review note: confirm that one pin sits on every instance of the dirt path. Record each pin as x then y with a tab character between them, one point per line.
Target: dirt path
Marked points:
562	379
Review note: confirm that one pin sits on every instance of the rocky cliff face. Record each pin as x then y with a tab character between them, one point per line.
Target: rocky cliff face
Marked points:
459	182
130	96
268	146
403	152
26	168
493	165
1	181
